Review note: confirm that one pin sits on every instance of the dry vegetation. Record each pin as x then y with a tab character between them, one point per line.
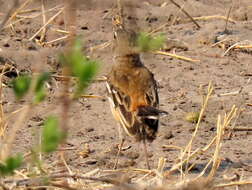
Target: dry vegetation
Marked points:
36	174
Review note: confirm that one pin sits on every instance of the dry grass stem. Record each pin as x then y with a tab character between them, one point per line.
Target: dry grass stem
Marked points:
31	17
9	139
215	17
202	111
228	15
176	56
187	14
246	44
19	9
6	17
45	25
100	46
57	40
43	32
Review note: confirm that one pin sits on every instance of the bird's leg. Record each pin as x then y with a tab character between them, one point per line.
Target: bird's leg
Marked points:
121	138
146	154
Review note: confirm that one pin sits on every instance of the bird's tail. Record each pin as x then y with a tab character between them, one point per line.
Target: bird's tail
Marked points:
149	117
150	112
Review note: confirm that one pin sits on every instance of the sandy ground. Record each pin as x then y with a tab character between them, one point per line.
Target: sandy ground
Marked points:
181	83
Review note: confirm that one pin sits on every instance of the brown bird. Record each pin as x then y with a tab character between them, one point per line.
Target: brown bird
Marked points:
133	95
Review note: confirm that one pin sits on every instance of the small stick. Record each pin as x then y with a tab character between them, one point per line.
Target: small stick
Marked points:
176	56
243	46
31	17
49	21
214	17
244	182
187	14
228	15
231	93
6	18
44	21
233	46
61	31
56	40
29	11
20	8
91	96
100	46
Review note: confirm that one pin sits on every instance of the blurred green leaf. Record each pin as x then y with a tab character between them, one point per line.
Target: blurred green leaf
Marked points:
52	135
80	66
40	92
39	96
21	86
10	165
148	43
42	78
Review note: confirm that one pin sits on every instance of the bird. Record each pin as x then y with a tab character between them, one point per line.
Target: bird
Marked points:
132	90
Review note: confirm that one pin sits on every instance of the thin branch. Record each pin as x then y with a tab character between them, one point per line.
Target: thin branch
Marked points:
6	18
187	14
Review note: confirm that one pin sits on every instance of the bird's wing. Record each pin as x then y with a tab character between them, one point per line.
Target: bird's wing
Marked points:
140	124
120	107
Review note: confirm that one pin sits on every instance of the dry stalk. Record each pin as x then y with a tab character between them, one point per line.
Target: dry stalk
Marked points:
215	17
45	25
239	45
56	40
228	15
235	183
6	17
202	111
70	7
187	151
176	56
32	17
43	32
19	9
3	123
11	10
186	13
9	141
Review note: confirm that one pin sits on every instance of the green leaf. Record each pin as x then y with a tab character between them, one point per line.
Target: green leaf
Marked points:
52	135
80	66
21	86
148	43
40	92
39	96
42	78
10	165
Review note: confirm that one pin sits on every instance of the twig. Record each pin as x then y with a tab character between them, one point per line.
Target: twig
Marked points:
16	126
64	77
20	8
38	180
187	14
45	25
43	33
231	93
244	182
228	15
31	17
6	18
214	17
188	148
56	40
176	56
